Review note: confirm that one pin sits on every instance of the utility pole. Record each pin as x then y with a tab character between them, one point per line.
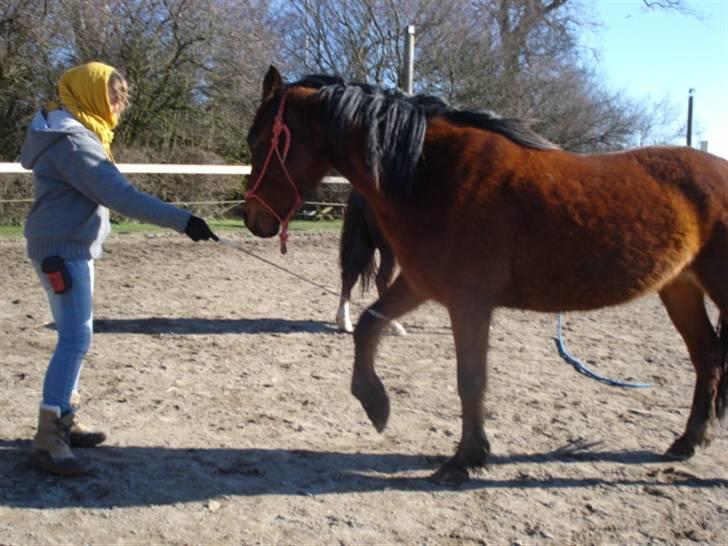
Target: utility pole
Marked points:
691	93
410	60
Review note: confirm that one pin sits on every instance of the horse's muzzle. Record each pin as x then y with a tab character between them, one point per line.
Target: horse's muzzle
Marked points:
259	221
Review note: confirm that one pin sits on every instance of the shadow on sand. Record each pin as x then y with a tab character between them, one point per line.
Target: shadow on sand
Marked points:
168	325
143	476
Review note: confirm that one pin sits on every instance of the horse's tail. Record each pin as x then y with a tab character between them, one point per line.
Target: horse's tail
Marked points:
721	400
357	245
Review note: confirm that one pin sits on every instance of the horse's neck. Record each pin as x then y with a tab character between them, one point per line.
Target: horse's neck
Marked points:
349	159
351	163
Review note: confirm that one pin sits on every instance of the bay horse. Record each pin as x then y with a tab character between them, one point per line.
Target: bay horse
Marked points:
360	240
482	212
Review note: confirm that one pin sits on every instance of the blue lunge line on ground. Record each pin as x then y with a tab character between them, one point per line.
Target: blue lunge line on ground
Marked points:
582	369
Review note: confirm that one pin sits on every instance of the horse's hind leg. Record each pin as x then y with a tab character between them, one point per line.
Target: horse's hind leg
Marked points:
470	330
387	264
683	299
711	268
343	313
356	255
397	300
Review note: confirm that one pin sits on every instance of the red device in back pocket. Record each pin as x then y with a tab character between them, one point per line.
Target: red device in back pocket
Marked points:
55	269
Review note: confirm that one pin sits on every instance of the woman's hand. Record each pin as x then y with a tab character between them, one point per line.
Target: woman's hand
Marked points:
198	230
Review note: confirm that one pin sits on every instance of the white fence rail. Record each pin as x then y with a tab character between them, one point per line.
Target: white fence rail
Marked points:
154	168
172	168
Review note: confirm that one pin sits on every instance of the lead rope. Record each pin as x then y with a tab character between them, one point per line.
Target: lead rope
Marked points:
576	363
582	369
231	244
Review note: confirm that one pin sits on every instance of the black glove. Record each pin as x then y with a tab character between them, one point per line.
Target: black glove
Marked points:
197	229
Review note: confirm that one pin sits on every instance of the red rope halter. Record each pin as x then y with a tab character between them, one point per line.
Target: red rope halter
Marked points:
278	127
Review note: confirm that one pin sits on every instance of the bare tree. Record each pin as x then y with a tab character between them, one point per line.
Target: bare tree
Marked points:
27	75
194	65
361	40
678	6
189	63
242	48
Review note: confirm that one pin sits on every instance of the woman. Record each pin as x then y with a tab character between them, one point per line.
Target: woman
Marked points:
68	147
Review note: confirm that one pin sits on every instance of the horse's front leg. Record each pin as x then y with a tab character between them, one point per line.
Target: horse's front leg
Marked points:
366	386
470	330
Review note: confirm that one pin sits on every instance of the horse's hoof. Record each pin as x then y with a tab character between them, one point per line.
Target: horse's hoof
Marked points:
680	450
375	402
474	452
343	321
451	473
346	328
344	325
397	329
478	457
378	413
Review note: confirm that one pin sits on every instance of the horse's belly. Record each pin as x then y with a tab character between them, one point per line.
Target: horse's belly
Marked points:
560	275
594	278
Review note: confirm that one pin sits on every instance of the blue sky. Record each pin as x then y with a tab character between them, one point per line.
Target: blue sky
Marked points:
658	54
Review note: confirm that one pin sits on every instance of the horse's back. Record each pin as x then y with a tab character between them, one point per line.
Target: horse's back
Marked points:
700	177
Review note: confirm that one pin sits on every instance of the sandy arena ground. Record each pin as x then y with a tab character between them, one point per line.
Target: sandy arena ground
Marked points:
224	387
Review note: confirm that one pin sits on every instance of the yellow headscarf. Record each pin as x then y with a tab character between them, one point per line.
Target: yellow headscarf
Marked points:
83	91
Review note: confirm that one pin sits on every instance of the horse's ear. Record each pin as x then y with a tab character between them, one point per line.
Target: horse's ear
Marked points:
272	83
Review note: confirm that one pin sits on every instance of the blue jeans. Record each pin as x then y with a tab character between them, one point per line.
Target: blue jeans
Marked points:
73	314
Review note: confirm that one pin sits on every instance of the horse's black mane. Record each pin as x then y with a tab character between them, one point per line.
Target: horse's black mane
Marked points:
396	125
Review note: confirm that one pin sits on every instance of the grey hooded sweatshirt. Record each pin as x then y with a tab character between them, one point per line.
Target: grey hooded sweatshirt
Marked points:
74	183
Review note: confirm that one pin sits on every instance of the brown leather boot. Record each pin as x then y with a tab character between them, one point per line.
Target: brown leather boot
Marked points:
51	447
81	435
